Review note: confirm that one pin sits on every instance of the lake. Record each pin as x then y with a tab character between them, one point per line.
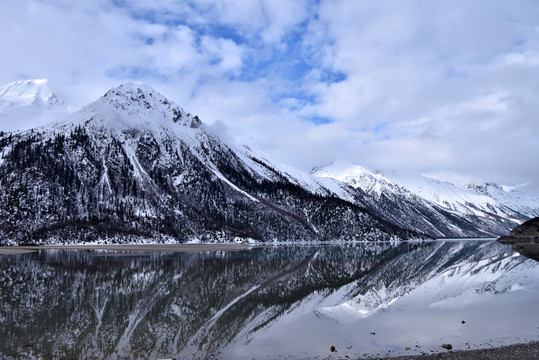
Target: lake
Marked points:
286	301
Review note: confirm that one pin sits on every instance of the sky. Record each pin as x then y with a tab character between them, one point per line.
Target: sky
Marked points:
443	88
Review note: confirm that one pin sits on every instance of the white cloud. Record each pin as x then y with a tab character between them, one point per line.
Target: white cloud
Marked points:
227	53
439	87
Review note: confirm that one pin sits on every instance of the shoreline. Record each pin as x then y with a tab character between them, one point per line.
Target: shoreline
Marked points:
129	247
522	351
215	246
194	247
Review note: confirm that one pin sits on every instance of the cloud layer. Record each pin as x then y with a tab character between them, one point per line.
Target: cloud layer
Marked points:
446	88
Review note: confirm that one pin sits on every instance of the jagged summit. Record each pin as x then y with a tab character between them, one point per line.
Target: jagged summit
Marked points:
356	176
135	106
340	169
136	98
34	92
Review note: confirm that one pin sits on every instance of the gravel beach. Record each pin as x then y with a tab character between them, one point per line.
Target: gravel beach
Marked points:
512	352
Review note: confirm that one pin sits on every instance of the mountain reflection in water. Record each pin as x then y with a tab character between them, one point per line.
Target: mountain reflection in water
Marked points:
270	302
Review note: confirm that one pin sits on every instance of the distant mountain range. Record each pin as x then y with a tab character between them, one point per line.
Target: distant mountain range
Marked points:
36	93
438	208
133	166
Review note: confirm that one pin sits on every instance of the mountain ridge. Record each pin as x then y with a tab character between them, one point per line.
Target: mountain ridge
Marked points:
133	166
494	210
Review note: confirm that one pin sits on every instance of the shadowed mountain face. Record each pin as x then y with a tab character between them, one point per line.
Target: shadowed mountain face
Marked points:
111	305
133	165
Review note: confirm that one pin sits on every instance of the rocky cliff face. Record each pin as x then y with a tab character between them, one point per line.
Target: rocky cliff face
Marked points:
527	230
134	166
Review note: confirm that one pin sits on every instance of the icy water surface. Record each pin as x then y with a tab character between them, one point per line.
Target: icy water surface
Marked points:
266	303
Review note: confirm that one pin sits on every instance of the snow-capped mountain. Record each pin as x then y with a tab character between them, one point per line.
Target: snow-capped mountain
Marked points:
436	207
29	93
508	197
133	165
27	103
359	178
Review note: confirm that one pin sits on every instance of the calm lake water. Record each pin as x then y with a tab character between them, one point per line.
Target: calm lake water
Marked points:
294	302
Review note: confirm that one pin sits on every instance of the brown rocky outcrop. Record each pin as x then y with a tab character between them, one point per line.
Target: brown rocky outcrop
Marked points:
524	239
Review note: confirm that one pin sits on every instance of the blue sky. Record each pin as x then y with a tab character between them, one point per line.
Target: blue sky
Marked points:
446	88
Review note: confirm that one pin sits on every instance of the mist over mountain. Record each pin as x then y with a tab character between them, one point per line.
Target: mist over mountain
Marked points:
28	103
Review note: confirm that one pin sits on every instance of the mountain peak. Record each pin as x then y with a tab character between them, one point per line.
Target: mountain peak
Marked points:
140	103
134	97
35	92
340	169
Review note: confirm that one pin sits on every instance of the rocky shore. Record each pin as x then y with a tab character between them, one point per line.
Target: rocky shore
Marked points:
524	239
529	351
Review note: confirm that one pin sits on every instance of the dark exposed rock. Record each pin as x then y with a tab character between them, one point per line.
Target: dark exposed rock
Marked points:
447	346
513	352
524	239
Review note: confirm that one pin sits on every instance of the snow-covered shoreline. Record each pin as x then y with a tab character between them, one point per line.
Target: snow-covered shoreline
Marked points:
128	247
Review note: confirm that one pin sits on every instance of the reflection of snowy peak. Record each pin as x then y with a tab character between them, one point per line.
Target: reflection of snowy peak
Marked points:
446	270
136	166
105	307
489	209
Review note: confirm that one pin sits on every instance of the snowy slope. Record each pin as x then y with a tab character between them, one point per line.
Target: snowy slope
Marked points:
511	198
359	177
314	184
135	164
489	208
28	103
452	197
